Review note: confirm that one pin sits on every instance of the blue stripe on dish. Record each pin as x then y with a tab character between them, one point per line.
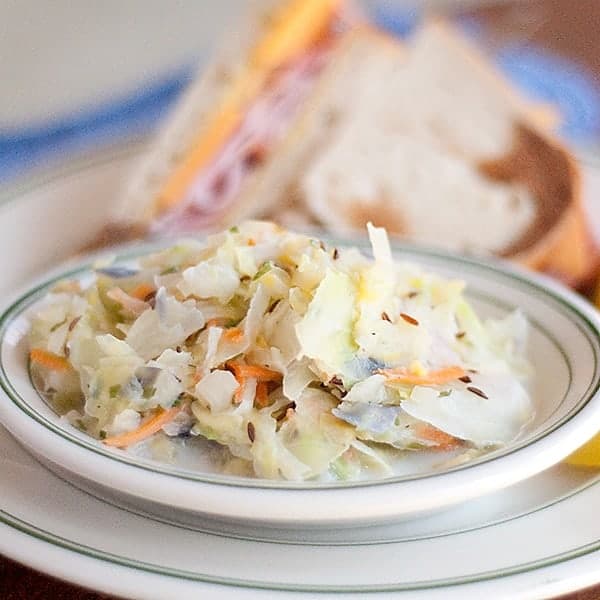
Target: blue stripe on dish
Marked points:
541	75
133	114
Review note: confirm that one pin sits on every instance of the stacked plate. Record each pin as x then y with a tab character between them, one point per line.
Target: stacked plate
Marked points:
136	528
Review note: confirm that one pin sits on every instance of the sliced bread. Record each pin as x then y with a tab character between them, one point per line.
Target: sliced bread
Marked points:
446	153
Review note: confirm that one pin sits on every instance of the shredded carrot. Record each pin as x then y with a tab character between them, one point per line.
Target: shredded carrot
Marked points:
442	440
251	242
150	427
262	394
440	377
254	371
142	291
262	375
49	359
237	397
233	334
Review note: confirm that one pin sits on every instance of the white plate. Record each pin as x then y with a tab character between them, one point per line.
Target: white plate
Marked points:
564	348
482	549
53	527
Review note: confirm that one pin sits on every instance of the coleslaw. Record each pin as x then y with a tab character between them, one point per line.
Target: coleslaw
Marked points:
295	360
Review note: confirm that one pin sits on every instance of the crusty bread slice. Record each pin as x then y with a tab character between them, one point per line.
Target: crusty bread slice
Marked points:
448	155
558	241
415	189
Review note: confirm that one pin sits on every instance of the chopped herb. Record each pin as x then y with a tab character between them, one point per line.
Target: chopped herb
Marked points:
477	392
234	229
251	431
168	271
114	390
409	319
263	269
102	434
460	335
444	393
412	294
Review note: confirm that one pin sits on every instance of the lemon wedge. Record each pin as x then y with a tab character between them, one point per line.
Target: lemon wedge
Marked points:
586	456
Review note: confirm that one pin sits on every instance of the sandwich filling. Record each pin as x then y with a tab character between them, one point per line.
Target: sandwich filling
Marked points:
211	175
215	187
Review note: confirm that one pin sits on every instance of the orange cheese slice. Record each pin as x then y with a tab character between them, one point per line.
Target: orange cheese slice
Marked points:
295	27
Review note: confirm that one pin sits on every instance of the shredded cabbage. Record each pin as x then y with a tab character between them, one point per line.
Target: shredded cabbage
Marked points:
295	360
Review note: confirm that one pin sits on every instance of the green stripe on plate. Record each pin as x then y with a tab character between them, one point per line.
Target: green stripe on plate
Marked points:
114	559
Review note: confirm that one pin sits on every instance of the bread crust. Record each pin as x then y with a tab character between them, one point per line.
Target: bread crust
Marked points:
558	241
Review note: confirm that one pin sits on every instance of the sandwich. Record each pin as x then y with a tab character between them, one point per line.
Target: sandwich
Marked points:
221	145
313	116
446	153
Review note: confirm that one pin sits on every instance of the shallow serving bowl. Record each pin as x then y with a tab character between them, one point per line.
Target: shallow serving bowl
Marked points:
35	234
564	348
